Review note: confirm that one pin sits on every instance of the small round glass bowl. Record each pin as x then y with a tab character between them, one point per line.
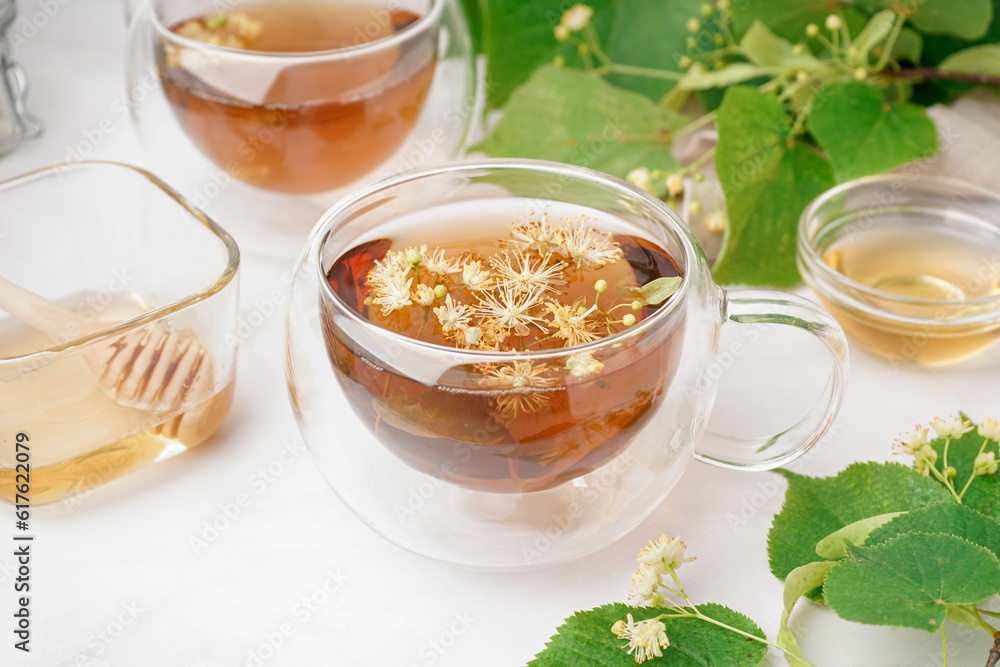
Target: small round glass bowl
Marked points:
909	265
129	355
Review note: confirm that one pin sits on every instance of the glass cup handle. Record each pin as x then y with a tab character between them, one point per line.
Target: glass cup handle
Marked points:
754	307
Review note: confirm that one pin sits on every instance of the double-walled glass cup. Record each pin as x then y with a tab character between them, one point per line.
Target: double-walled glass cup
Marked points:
118	316
300	117
404	432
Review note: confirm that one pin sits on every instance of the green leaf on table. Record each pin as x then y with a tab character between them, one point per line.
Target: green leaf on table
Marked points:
586	640
834	545
518	38
762	47
570	116
799	581
767	180
864	134
966	19
983	494
910	580
982	59
949	518
816	507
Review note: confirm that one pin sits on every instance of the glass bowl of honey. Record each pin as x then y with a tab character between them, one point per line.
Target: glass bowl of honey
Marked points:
118	317
507	364
297	97
909	265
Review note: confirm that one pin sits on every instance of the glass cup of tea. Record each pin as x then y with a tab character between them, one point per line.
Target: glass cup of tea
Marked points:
296	96
512	460
118	317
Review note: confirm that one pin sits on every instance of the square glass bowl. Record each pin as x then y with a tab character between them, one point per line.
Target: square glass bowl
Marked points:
118	315
909	265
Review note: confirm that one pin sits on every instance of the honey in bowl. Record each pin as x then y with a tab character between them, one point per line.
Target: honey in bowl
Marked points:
939	271
291	116
464	280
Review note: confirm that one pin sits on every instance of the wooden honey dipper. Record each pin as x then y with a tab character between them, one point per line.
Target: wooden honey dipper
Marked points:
148	368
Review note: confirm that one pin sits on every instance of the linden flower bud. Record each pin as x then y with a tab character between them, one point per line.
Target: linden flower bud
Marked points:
707	9
562	33
950	472
637	305
693	25
577	17
802	76
990	429
440	292
698	177
716	222
799	49
833	22
860	74
691	43
583	49
559	61
985	464
641	178
601	286
675	184
812	30
951	427
628	320
695	207
723	5
686	61
413	256
472	335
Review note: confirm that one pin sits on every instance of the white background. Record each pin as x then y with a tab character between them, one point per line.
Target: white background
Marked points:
116	580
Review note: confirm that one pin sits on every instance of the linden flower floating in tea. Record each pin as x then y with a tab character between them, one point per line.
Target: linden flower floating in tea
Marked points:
546	285
235	30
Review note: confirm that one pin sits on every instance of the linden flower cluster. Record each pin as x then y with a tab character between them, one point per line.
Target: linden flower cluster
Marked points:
926	457
510	301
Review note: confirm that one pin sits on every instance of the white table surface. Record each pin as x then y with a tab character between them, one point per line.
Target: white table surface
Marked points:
116	580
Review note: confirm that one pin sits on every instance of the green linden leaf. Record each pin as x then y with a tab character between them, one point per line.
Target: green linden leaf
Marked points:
984	492
767	184
816	507
799	581
864	134
983	59
911	579
834	545
966	19
762	47
947	518
570	116
518	37
656	291
789	18
586	640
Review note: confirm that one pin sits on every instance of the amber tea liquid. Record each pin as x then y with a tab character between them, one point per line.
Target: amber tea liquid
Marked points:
307	126
81	438
453	429
921	260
